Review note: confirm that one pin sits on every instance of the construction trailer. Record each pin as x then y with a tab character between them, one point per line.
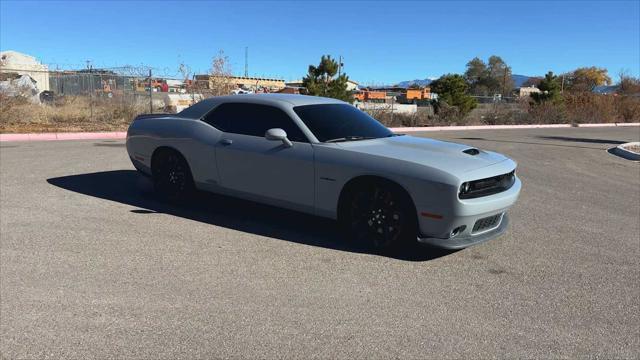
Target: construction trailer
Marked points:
413	95
370	96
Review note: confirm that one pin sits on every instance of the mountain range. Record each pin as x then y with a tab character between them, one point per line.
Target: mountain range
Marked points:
518	80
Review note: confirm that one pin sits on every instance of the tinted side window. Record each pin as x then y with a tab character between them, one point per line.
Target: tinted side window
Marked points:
333	121
218	118
253	120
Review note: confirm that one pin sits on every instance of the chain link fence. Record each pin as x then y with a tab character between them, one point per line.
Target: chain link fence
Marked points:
86	99
108	99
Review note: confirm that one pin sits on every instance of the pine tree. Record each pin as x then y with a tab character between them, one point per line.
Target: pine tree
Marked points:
549	89
452	90
321	80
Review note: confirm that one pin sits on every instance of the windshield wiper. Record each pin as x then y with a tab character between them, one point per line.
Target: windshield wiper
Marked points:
350	138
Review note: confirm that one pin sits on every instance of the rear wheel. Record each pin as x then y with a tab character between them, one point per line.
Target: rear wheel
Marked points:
380	215
172	178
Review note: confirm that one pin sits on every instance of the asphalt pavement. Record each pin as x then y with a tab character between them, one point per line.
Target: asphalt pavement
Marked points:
93	266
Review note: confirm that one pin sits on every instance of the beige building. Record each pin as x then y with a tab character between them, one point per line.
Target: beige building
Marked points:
14	64
247	82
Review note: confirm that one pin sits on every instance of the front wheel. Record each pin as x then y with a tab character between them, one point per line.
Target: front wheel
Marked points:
172	178
379	215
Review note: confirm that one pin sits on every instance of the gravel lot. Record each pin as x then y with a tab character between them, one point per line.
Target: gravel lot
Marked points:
92	266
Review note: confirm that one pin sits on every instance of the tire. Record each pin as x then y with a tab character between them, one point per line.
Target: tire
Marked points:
379	215
172	179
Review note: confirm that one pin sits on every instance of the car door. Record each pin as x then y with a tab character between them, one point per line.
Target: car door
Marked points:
249	163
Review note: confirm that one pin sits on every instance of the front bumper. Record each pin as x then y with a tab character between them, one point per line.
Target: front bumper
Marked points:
463	241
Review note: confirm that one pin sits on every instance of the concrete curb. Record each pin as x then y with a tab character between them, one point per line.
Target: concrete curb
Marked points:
622	152
64	136
123	134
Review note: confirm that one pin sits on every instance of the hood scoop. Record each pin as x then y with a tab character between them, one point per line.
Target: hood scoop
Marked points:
471	151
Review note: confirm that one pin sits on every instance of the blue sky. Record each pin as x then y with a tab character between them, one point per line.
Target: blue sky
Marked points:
382	42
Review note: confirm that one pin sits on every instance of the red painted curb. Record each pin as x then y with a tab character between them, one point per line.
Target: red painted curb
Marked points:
64	136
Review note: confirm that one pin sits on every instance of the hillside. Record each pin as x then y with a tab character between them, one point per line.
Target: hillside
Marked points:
518	80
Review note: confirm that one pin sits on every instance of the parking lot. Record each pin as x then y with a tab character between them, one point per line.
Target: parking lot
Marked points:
93	266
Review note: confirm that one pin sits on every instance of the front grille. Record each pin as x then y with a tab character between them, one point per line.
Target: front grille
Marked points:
486	223
488	186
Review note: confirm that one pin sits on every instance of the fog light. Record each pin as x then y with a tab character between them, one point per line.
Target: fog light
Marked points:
464	188
457	231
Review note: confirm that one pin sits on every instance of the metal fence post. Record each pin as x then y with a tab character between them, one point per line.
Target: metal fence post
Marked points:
192	88
91	92
392	99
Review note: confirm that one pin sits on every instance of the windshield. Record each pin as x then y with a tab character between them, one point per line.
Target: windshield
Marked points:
340	122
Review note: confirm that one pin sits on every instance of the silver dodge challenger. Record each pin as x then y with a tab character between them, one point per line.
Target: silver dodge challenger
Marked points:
325	157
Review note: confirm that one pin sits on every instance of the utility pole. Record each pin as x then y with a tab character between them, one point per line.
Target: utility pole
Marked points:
562	86
59	88
150	94
339	65
504	83
246	61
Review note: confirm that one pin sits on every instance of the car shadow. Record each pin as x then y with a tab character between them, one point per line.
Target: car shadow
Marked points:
118	145
582	140
129	187
623	155
529	143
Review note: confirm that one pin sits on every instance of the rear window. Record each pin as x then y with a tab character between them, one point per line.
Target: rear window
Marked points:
197	110
335	121
253	120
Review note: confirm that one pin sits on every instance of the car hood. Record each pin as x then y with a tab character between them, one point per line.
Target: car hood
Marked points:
438	154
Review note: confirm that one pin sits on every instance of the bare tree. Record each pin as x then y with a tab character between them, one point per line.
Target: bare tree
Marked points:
627	83
219	80
185	71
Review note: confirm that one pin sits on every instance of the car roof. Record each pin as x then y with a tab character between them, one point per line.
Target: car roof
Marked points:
201	108
292	99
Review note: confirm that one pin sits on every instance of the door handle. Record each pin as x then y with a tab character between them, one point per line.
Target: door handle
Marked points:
226	142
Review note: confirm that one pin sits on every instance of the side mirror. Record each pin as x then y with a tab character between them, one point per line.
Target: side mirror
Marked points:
278	135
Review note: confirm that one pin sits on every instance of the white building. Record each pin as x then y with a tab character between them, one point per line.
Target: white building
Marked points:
527	91
13	62
352	85
396	108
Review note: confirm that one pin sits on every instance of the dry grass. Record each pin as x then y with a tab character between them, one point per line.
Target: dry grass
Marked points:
69	114
574	109
73	114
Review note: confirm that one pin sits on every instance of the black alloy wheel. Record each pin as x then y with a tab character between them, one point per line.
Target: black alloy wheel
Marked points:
171	176
381	216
